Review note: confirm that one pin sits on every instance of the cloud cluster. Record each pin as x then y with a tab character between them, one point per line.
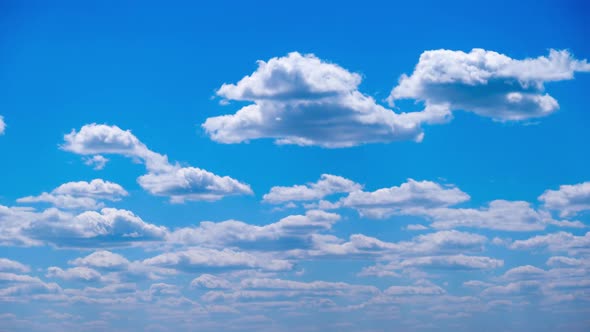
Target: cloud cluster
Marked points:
488	83
300	99
163	178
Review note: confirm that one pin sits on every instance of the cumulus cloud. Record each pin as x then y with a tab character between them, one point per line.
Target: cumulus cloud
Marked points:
411	194
74	274
498	215
210	281
79	195
291	231
196	258
301	99
555	242
2	125
10	265
327	185
107	227
163	178
569	199
488	83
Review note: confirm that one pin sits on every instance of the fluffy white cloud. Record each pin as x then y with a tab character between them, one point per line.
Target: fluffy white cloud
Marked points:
419	289
10	265
327	185
198	258
79	195
102	259
294	230
2	125
163	178
555	242
300	99
107	227
190	183
411	194
498	215
488	83
76	273
97	161
569	199
210	281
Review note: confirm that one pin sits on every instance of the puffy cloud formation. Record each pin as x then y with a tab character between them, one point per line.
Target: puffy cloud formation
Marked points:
327	185
196	258
411	194
555	242
80	195
569	199
163	178
488	83
97	161
107	227
300	99
2	125
10	265
293	230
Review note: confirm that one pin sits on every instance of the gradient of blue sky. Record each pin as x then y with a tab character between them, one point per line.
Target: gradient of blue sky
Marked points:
154	69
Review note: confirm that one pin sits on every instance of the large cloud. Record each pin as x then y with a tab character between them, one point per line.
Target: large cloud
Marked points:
163	178
569	199
79	195
300	99
488	83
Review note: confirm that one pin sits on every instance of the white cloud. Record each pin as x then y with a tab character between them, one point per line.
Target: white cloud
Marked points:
198	258
300	99
555	242
498	215
327	185
75	273
10	265
569	199
210	281
2	125
190	183
460	262
163	178
98	161
293	230
411	194
79	195
102	259
418	290
561	261
488	83
107	227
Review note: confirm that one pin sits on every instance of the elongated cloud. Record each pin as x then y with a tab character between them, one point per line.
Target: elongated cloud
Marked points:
327	185
80	195
569	199
488	83
163	178
2	125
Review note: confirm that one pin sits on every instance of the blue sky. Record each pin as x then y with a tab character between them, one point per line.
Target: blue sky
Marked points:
260	166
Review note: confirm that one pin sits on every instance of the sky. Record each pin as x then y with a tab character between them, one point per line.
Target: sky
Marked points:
300	166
